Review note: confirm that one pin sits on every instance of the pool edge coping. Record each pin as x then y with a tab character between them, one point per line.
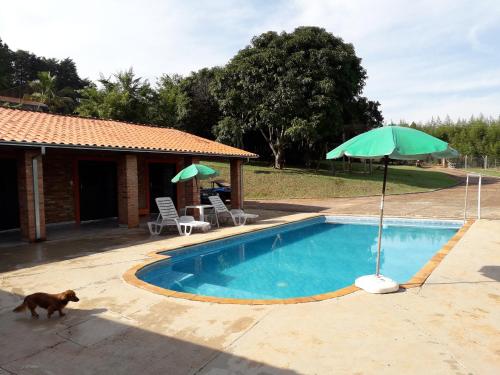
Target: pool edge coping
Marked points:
416	281
421	276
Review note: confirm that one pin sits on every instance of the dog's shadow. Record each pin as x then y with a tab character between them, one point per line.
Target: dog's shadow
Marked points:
72	316
84	312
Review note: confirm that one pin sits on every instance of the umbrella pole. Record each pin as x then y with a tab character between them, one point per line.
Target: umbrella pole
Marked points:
386	162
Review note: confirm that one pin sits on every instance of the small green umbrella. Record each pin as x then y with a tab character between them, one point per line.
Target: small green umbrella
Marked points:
198	171
392	142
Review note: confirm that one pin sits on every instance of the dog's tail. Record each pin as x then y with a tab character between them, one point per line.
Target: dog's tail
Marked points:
20	308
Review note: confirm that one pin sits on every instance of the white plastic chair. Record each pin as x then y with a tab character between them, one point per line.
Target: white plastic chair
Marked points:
238	217
168	216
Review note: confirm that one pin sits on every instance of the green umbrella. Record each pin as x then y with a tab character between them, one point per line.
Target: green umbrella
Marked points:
199	171
392	142
395	142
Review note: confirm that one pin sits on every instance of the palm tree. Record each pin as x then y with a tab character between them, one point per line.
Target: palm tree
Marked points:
44	87
44	91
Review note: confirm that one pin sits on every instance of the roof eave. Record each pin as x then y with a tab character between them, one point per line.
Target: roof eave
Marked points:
125	149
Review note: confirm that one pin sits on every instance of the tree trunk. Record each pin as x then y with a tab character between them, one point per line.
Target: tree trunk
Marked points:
318	165
319	159
276	148
278	159
307	160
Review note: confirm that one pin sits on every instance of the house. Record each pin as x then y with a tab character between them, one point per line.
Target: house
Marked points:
9	101
64	169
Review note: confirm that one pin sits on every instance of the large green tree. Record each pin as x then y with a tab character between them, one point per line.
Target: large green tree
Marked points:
19	68
202	108
478	136
186	102
169	103
6	69
26	66
122	97
290	87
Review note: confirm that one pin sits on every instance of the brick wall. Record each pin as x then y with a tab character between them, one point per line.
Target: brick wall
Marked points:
57	193
58	183
128	193
142	182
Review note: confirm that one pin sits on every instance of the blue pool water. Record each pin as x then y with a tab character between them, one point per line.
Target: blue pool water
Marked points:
297	260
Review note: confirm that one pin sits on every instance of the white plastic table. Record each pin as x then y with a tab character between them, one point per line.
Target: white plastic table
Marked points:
199	207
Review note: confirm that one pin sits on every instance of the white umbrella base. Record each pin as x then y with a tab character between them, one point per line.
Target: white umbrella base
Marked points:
376	284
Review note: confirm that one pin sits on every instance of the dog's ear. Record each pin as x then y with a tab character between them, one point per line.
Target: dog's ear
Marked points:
67	294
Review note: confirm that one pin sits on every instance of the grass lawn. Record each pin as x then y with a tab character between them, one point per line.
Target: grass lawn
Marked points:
485	172
263	182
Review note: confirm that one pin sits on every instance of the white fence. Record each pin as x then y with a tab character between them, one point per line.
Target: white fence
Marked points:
483	162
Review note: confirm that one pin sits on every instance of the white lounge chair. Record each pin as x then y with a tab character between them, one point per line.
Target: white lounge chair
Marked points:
237	216
168	216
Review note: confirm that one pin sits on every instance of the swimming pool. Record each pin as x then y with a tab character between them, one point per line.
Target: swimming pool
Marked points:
302	259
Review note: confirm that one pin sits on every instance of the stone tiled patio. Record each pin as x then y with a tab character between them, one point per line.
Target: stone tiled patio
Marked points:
451	325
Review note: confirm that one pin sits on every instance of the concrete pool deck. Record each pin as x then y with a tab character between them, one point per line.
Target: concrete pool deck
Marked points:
450	325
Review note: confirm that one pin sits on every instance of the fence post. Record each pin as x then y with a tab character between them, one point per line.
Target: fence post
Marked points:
465	200
486	162
465	167
479	198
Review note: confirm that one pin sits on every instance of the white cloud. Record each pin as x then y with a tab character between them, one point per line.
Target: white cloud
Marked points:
424	58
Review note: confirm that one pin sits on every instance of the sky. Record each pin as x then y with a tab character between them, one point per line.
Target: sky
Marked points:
423	58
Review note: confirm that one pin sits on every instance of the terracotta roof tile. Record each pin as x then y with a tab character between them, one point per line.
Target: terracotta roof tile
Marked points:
20	126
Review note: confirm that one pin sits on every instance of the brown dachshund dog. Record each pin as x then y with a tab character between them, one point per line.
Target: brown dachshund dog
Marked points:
51	302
